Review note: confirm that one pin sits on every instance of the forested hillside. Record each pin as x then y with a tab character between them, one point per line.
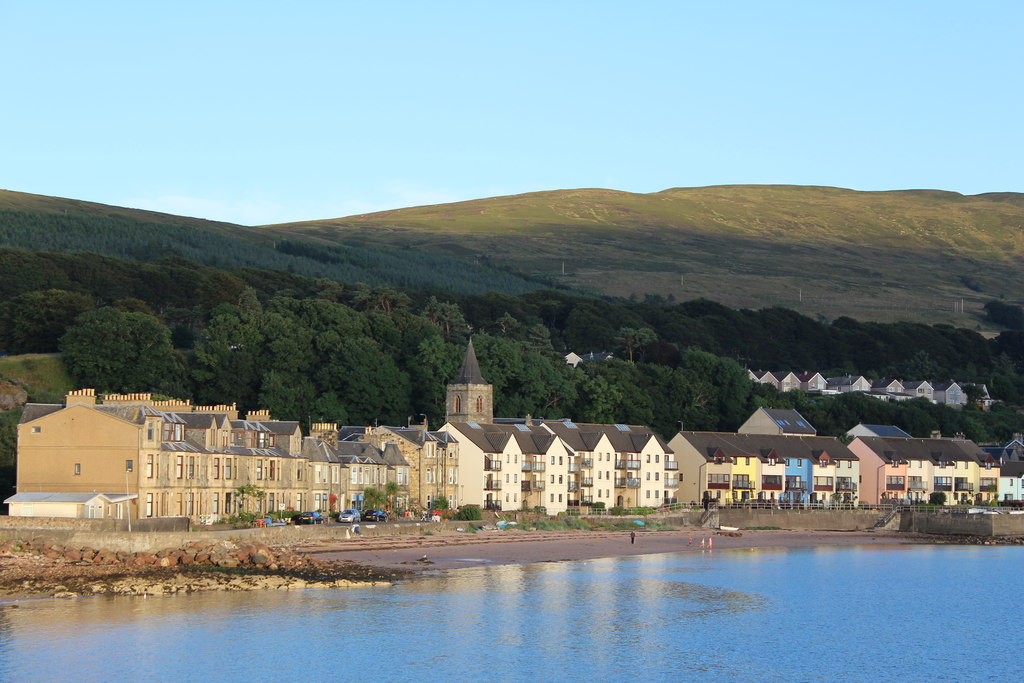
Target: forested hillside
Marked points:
126	238
315	349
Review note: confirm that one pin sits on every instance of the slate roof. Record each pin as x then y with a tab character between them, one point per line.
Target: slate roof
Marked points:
34	411
470	371
934	451
584	436
790	421
761	446
887	431
68	497
1013	468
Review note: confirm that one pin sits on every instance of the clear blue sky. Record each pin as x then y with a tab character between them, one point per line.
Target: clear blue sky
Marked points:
265	112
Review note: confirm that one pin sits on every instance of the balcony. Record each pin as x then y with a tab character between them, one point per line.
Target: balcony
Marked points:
534	466
824	487
492	465
895	487
771	483
943	487
987	488
799	485
492	485
671	465
627	464
586	481
917	486
586	462
492	505
846	486
573	486
964	486
586	500
528	486
574	467
627	483
723	485
671	482
742	484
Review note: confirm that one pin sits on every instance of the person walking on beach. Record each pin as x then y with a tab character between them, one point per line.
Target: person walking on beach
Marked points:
632	537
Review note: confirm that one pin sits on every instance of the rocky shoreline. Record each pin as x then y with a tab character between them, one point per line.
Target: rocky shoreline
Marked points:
34	569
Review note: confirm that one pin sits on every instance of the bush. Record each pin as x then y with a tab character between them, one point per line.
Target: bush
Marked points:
618	510
937	498
469	513
598	505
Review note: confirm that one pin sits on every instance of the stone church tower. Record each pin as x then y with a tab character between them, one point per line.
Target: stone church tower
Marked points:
470	398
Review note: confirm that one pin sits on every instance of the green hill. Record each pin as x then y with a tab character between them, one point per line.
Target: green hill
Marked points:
911	254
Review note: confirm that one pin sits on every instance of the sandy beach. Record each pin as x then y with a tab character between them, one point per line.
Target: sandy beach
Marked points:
454	550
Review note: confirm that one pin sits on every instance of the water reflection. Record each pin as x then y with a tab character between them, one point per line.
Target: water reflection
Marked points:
731	615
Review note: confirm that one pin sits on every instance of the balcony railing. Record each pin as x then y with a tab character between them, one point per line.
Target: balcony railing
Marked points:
987	488
534	466
718	485
671	482
846	486
894	487
492	505
627	464
573	486
627	483
671	465
742	484
824	487
586	462
492	465
492	485
771	484
943	487
917	486
586	481
796	485
574	467
532	486
964	486
586	500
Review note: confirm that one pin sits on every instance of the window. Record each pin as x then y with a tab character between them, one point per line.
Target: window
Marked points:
36	430
216	503
227	502
479	404
179	463
552	479
216	468
298	474
656	476
800	462
149	466
227	475
129	465
747	463
458	404
552	460
559	478
273	471
657	458
191	467
259	470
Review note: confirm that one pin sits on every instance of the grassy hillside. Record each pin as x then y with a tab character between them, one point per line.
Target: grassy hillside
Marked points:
42	374
827	251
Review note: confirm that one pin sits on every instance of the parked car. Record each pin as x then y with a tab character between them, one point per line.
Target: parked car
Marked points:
312	517
348	516
374	516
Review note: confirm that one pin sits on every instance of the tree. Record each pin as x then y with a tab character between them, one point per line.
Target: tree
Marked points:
34	322
392	489
937	498
122	352
248	491
440	503
632	339
373	498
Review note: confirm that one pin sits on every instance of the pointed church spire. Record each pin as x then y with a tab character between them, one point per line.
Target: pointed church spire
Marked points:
470	372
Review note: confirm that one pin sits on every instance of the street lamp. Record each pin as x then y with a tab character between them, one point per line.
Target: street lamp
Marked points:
127	501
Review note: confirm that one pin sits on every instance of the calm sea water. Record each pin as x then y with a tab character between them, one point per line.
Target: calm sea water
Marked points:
915	613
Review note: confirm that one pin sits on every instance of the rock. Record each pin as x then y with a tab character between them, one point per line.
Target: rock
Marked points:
72	555
65	594
228	562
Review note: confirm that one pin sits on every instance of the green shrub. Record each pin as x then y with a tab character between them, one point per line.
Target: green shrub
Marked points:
618	510
598	505
469	513
937	498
